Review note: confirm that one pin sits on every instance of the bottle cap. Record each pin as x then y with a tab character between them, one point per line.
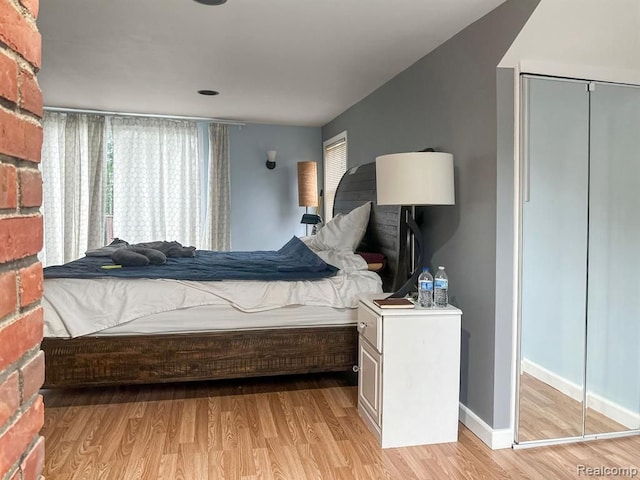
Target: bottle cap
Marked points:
425	269
440	268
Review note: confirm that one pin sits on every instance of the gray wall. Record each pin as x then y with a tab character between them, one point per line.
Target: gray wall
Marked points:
447	100
264	203
505	249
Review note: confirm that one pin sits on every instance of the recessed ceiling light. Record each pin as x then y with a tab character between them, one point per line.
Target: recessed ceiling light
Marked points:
208	92
211	2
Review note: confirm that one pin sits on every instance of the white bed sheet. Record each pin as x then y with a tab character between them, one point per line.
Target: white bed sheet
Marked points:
77	307
208	318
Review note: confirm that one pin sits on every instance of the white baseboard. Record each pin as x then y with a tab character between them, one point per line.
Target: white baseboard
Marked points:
615	412
597	402
570	389
503	437
494	438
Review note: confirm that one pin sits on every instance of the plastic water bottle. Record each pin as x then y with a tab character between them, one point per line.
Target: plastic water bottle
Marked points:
441	288
425	289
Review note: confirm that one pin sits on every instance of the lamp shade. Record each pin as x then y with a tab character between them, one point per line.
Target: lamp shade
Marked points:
415	178
311	219
307	184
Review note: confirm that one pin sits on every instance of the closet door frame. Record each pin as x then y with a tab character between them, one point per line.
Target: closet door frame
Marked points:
523	194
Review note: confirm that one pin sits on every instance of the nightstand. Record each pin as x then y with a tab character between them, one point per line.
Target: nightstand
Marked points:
409	373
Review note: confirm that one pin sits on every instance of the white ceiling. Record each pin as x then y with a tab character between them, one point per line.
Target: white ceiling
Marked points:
289	62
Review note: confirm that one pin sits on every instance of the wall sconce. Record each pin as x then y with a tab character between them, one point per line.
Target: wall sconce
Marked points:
271	159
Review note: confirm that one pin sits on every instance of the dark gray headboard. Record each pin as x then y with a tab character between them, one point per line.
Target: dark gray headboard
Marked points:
386	233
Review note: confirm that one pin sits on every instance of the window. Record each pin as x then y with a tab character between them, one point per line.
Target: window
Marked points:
136	178
108	189
335	165
156	180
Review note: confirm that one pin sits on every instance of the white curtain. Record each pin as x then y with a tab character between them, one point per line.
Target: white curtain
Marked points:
72	166
156	180
217	225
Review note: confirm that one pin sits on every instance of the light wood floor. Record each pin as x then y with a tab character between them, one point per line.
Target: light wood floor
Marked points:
548	413
290	429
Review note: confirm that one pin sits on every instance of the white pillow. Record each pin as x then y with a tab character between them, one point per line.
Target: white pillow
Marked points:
344	232
347	262
308	240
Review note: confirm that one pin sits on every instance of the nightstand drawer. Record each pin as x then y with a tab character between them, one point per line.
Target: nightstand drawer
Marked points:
370	327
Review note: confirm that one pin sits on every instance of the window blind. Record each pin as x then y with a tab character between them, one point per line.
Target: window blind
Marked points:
335	164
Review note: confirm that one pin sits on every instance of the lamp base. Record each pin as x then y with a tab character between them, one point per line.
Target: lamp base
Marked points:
411	283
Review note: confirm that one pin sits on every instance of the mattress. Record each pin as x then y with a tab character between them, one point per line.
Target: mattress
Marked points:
208	318
78	307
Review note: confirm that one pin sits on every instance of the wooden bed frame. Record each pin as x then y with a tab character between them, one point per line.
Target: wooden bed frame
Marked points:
138	359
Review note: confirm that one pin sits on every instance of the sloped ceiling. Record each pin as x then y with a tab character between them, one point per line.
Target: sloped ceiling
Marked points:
588	39
295	62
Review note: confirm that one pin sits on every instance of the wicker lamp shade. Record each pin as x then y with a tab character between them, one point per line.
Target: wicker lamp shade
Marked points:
307	184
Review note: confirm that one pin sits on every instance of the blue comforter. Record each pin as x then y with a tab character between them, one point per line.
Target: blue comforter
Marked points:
294	261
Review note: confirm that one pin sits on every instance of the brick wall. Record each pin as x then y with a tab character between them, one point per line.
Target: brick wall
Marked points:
21	361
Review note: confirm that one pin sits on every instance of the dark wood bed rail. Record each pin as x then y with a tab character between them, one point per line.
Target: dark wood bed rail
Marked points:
204	356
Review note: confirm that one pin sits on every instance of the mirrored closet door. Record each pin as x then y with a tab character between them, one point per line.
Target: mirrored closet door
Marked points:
613	309
579	303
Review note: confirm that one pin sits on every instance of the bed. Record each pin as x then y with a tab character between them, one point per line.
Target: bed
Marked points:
277	349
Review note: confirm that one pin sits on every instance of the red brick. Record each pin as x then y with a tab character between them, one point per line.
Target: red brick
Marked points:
8	186
30	93
20	336
19	138
33	143
30	187
32	376
8	294
33	6
20	237
34	463
19	34
8	78
15	441
9	397
30	284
